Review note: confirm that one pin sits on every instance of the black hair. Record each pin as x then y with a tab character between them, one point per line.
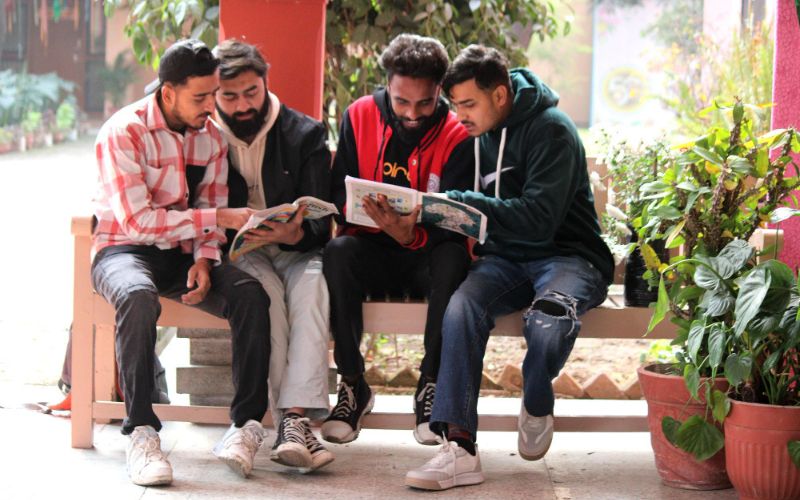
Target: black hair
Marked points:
487	66
237	57
416	57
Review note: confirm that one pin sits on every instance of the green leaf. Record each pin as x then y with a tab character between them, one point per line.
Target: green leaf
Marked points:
737	368
780	214
691	376
670	426
666	212
662	306
736	254
753	288
720	405
794	452
709	156
695	340
700	438
716	344
738	112
717	302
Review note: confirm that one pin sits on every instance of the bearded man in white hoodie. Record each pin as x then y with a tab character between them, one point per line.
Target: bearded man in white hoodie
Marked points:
277	155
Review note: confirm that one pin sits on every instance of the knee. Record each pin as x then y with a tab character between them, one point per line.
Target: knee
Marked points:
464	306
551	319
339	253
143	302
248	289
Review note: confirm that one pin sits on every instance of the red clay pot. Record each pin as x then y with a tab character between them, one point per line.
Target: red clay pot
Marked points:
756	436
667	396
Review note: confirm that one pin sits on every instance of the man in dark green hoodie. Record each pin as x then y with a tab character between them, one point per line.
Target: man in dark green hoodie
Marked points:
543	252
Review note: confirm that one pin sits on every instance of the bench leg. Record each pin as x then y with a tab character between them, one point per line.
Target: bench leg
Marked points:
104	366
82	382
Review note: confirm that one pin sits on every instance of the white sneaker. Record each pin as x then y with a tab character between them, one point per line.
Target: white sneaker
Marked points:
452	466
534	435
320	456
147	465
238	446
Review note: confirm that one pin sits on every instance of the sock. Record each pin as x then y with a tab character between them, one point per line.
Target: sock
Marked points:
292	415
463	439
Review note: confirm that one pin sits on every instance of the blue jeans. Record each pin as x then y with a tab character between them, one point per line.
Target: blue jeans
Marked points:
557	291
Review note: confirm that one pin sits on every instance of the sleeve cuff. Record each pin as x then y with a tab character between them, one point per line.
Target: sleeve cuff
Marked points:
210	252
420	238
205	220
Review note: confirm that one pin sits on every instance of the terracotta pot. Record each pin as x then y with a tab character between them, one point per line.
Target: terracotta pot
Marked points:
756	436
667	396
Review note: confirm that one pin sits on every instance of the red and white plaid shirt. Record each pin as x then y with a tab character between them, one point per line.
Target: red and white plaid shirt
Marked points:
142	193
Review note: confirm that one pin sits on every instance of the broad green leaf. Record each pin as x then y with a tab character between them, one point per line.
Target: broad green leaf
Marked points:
794	452
741	166
695	340
738	112
704	275
676	231
737	368
780	214
689	293
700	438
717	302
752	290
666	212
670	426
735	254
662	306
691	376
709	156
716	344
769	364
720	405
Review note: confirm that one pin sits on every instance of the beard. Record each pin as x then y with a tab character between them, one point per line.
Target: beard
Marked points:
410	135
247	127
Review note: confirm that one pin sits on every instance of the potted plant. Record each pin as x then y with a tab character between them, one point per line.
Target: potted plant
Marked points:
65	120
630	162
709	201
6	140
762	430
30	125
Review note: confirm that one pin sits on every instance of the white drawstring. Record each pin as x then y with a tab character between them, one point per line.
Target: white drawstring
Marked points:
498	170
476	188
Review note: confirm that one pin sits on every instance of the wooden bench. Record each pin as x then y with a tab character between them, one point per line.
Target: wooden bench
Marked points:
93	352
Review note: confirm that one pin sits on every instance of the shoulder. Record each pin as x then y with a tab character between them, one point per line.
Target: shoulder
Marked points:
128	122
295	122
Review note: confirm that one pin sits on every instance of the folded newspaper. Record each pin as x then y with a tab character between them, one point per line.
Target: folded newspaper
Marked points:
315	209
437	209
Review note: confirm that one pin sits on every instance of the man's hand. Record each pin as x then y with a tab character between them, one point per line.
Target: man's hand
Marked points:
198	282
233	218
400	227
287	233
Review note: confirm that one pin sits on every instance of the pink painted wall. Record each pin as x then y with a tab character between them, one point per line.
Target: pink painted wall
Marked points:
786	96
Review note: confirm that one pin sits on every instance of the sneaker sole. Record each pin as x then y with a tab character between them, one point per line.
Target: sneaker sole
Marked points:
235	466
318	464
353	435
538	456
292	455
466	479
425	442
161	481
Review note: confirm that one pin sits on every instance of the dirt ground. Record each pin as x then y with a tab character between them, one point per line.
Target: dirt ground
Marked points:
618	358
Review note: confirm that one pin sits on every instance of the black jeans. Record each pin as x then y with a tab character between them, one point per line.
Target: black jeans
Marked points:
131	277
356	266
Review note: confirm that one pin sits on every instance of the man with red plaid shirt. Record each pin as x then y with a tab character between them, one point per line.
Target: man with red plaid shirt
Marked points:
161	210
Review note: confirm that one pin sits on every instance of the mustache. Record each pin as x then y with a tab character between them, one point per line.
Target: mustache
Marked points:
467	123
241	114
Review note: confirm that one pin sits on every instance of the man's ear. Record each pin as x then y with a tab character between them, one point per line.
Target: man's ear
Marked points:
168	94
500	95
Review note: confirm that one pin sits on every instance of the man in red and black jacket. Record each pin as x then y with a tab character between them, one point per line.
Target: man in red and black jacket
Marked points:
403	134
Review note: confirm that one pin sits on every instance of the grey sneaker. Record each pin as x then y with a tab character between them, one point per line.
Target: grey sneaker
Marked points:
290	445
147	465
239	445
452	466
534	435
320	456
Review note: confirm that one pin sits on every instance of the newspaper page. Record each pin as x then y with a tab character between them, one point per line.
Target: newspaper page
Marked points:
403	200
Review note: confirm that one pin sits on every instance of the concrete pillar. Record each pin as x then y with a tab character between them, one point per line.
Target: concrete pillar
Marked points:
291	36
786	96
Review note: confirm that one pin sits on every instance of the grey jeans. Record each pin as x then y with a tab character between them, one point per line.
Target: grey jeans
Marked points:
131	278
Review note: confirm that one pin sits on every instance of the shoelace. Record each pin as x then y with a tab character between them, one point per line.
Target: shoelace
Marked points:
294	429
347	401
447	453
312	443
425	398
250	437
150	446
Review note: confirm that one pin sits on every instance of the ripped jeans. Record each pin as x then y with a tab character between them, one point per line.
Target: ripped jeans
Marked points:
555	290
131	278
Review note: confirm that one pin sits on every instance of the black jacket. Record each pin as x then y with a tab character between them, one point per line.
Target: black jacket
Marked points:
296	163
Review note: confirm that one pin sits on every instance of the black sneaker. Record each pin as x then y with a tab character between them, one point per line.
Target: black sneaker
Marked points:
320	456
423	406
290	446
344	423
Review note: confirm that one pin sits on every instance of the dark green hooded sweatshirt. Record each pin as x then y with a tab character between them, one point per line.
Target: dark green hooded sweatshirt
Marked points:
537	198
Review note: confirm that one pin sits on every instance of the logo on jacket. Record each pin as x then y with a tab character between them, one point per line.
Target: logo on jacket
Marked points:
393	170
490	178
434	184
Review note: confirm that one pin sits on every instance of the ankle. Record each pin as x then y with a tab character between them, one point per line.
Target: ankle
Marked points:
463	438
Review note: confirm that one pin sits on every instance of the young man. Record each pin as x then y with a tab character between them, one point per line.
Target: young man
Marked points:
159	207
405	135
277	155
543	252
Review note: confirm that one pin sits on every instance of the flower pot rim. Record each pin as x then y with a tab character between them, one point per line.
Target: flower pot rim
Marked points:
762	405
